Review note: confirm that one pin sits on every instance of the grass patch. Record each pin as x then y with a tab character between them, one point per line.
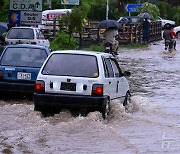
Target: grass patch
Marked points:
100	48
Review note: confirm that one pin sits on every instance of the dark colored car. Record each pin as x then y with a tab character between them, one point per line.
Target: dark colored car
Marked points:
19	66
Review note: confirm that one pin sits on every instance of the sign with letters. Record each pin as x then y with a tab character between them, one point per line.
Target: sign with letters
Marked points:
25	12
132	7
31	18
26	5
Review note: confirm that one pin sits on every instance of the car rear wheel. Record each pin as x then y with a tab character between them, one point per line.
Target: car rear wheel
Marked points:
37	107
105	109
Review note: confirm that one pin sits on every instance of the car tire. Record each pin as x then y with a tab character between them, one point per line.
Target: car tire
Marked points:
105	109
178	34
45	111
37	107
127	99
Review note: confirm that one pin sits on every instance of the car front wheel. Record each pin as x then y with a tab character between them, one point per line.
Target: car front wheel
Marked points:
178	34
105	109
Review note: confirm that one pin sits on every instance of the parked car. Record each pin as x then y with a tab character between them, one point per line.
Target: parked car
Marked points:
80	79
26	35
19	67
177	31
166	23
128	19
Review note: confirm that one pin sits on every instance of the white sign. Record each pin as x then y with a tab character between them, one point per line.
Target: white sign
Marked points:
31	18
70	2
26	5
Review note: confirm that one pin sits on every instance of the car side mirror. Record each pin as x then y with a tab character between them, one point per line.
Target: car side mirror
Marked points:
127	73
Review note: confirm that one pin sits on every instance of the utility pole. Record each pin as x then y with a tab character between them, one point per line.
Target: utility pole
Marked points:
49	2
107	9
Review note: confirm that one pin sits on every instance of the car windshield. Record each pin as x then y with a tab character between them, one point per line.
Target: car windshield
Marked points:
20	33
78	65
27	57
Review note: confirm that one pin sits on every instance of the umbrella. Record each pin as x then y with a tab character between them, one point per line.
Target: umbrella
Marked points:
145	15
108	24
3	27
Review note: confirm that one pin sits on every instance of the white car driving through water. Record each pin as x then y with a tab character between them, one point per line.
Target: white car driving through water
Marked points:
82	80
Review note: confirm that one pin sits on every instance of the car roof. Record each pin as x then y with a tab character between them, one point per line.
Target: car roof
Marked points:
25	45
57	11
26	27
95	53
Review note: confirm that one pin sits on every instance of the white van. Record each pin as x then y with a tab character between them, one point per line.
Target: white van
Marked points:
48	17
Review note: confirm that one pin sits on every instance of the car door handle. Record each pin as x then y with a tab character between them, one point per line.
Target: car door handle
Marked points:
109	82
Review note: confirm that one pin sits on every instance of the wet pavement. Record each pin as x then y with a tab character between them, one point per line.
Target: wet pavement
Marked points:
151	124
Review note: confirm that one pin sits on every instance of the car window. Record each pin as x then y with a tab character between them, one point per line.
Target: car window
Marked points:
72	65
108	68
20	33
28	57
39	34
117	70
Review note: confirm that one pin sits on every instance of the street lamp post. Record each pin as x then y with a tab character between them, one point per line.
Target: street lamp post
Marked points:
107	9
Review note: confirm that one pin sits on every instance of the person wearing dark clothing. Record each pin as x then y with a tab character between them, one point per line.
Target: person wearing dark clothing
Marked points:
146	30
167	35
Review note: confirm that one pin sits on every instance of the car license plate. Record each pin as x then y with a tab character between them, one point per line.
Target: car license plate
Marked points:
68	86
25	76
107	48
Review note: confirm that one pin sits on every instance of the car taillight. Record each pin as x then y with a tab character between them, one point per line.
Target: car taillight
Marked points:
39	86
97	89
47	16
1	75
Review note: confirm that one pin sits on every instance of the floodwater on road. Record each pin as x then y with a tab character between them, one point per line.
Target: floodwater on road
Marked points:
151	124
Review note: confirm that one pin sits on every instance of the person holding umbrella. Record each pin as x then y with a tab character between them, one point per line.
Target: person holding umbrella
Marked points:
111	33
145	25
110	36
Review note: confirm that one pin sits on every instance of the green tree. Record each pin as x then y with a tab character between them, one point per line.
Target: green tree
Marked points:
4	7
176	14
151	9
165	9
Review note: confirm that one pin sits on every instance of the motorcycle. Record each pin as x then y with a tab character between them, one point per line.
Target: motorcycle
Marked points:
109	49
168	45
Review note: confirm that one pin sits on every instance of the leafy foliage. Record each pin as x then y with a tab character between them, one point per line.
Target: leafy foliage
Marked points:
176	14
62	41
151	9
4	7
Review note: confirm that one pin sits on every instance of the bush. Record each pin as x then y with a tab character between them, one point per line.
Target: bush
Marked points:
63	41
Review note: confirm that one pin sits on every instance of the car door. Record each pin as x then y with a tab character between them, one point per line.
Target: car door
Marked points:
111	86
122	83
41	39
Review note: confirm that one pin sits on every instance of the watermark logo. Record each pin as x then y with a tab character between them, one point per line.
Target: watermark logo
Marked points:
166	142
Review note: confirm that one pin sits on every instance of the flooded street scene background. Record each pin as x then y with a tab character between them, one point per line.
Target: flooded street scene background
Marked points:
150	125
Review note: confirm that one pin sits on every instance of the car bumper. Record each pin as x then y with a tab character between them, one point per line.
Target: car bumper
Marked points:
16	87
70	101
